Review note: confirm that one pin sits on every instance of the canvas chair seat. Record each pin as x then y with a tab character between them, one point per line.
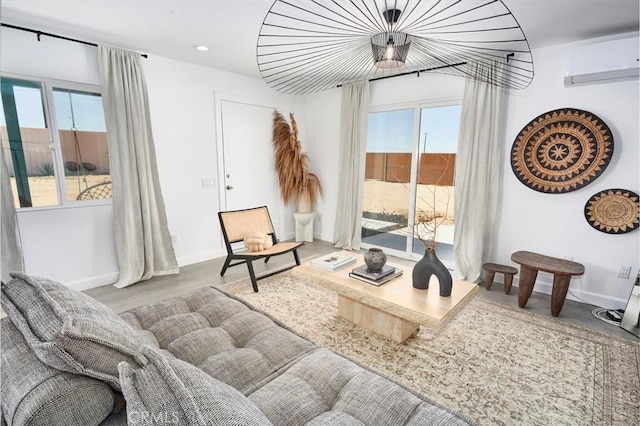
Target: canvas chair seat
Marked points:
279	248
237	224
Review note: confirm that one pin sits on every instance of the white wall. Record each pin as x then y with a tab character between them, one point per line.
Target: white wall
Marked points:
181	98
554	224
52	58
75	245
318	118
70	245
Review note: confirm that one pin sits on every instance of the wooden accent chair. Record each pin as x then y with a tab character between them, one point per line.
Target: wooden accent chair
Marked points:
237	224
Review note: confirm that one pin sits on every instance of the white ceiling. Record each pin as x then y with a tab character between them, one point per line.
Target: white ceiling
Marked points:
230	27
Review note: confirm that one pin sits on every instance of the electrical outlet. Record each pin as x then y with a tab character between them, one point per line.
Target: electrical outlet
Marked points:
174	239
624	271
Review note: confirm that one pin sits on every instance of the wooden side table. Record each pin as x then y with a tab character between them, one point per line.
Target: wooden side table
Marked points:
562	270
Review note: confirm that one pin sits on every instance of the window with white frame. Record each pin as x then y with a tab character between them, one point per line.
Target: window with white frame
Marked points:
409	178
55	142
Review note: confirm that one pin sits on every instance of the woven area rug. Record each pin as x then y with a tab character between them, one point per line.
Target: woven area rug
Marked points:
493	364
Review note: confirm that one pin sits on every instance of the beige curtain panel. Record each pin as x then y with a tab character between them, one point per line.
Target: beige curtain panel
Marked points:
142	239
478	168
353	147
12	260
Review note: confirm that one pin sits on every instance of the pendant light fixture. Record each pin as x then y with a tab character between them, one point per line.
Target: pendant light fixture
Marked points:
390	48
309	46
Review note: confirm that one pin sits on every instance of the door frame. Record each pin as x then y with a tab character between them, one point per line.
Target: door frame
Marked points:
220	97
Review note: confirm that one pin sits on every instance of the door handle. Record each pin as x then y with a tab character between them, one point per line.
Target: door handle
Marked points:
229	187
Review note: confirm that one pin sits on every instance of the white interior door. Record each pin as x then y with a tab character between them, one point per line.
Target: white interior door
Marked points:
249	178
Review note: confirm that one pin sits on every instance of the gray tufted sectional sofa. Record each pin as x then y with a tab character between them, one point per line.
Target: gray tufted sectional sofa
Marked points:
203	358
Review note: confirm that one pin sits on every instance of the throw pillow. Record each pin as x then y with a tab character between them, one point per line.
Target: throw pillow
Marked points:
167	390
258	241
69	330
35	394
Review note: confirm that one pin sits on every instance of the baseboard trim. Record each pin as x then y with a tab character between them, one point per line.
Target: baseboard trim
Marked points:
326	238
583	296
93	282
578	295
288	236
112	278
200	257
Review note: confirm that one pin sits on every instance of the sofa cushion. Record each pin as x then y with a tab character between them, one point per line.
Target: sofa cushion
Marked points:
69	330
220	335
167	390
325	388
32	393
116	419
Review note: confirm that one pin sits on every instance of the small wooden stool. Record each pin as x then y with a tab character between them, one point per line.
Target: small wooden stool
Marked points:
490	272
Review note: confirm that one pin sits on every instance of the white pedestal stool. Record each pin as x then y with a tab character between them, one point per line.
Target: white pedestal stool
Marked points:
304	226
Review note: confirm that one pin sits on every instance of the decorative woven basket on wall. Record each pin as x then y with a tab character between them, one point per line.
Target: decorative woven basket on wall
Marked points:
561	150
613	211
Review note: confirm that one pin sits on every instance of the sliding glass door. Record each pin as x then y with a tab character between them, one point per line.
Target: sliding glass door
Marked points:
390	146
409	185
437	147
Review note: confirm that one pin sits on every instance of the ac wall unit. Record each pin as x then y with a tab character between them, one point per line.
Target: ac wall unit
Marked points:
608	61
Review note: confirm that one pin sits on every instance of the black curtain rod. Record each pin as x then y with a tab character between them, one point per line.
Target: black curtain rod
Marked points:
39	33
418	71
424	70
413	72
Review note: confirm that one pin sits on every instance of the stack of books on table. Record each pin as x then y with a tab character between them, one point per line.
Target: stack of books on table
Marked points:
332	262
375	278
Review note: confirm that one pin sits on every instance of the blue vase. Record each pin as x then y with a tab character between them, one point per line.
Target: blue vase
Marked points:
431	265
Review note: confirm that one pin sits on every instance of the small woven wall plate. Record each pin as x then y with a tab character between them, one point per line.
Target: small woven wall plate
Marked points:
613	211
561	151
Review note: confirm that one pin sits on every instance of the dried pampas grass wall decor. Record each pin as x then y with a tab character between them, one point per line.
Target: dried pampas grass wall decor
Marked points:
294	178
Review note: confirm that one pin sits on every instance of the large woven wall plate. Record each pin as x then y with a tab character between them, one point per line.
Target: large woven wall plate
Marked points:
561	151
613	211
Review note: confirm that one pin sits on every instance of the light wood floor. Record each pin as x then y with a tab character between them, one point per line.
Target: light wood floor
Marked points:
208	274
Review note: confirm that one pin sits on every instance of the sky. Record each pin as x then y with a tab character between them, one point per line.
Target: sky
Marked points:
392	131
87	109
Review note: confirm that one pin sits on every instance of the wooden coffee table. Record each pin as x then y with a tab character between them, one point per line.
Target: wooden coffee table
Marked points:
395	309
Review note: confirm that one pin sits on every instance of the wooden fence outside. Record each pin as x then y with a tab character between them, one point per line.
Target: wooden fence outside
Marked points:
37	151
434	169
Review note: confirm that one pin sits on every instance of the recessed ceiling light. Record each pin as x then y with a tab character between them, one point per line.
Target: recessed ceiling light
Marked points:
201	48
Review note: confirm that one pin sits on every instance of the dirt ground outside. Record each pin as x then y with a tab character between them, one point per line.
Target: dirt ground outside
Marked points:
43	188
392	199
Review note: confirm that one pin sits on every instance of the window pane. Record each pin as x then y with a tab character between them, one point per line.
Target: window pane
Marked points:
388	172
83	137
26	143
435	191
